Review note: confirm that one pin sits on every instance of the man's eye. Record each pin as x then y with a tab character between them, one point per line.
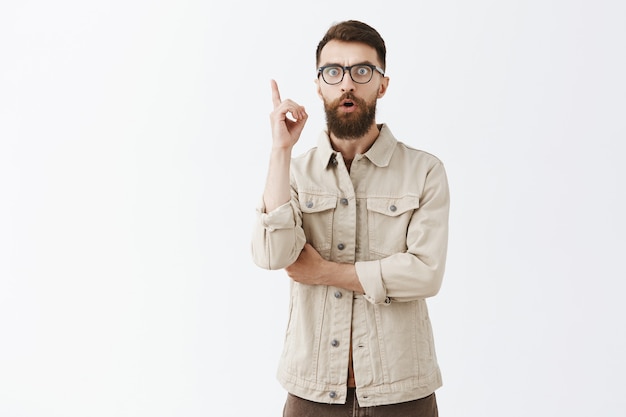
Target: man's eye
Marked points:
362	70
333	72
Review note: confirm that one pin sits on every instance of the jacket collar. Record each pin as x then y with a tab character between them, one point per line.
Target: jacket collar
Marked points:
379	153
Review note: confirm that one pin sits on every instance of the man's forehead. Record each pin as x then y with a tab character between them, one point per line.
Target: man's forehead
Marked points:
340	52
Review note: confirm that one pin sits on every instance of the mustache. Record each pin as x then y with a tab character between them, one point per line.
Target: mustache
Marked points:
347	96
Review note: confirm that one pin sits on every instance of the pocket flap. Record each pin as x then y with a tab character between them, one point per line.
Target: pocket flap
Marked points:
390	206
311	203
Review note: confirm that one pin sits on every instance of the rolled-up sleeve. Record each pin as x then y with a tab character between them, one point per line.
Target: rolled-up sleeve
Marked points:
277	237
370	276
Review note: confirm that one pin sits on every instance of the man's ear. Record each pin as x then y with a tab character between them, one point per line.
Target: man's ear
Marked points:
382	89
317	87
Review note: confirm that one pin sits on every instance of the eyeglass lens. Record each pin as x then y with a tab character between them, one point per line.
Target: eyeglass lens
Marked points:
360	74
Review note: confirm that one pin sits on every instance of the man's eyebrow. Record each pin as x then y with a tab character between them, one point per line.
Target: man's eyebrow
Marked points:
331	64
335	64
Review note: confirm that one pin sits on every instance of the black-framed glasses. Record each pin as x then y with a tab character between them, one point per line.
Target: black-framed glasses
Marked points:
360	73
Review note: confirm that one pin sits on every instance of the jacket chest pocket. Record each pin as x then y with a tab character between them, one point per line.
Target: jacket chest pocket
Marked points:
388	221
317	219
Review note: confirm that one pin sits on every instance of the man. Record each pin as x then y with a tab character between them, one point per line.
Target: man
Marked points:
360	224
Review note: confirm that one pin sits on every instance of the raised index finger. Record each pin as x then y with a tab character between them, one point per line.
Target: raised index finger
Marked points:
275	94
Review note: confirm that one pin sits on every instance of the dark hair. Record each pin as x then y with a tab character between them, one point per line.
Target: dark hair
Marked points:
354	31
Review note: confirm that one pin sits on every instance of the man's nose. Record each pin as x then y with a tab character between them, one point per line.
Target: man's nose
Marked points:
347	84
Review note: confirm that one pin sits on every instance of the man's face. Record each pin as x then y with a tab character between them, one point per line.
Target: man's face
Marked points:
350	107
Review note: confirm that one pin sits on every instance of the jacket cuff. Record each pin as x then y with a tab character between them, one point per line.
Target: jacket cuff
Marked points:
279	218
370	276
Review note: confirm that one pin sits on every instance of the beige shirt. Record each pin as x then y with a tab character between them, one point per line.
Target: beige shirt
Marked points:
388	216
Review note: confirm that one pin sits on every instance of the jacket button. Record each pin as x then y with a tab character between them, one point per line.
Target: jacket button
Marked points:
344	201
332	394
341	246
309	204
393	208
338	294
334	343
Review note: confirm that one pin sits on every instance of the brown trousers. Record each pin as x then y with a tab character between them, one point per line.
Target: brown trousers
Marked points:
298	407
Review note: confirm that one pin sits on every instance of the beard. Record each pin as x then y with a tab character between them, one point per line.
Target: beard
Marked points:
349	125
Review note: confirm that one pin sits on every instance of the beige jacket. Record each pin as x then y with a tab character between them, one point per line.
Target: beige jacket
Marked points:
389	217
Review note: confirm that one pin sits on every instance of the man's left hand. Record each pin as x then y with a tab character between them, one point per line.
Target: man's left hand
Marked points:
307	269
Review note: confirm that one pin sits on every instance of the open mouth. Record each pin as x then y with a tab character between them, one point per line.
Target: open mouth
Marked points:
347	104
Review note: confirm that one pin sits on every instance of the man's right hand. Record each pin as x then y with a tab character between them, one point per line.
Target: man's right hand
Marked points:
285	130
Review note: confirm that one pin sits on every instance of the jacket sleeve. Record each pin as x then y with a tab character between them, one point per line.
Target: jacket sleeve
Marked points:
418	272
278	236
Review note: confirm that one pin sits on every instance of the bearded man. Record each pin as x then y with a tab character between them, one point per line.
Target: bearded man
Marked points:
360	225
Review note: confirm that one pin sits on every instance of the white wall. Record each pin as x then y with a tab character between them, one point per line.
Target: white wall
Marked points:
134	138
